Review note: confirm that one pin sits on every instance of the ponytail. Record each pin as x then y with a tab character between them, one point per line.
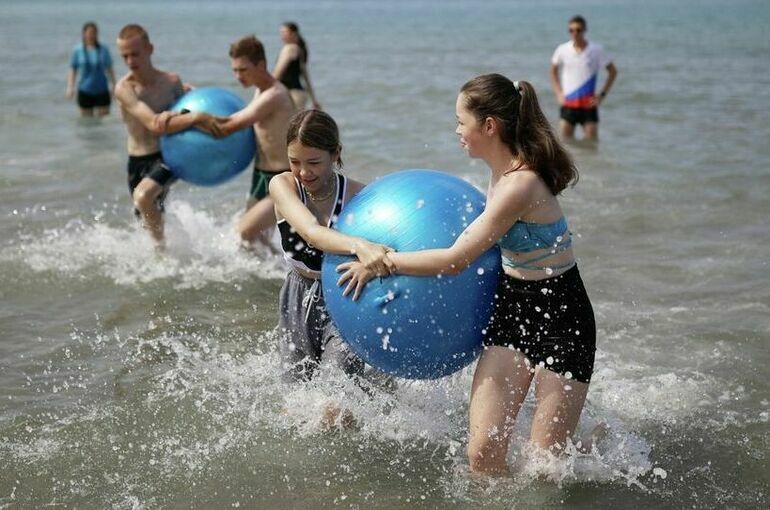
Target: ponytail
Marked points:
523	127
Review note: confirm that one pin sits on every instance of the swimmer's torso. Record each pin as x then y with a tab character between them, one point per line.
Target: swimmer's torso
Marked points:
159	96
271	131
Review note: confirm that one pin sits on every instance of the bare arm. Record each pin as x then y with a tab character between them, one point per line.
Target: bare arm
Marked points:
258	109
310	92
155	123
612	73
553	73
289	206
509	204
111	78
71	75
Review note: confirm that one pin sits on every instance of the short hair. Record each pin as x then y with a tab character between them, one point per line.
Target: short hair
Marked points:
579	19
249	47
133	30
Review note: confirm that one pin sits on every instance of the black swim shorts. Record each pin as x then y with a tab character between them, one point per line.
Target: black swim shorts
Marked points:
88	101
152	166
550	321
579	115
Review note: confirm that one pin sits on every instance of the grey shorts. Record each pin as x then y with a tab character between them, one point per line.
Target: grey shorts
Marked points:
307	334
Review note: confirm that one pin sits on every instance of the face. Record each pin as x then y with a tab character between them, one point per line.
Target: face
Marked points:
311	166
90	34
244	70
469	129
576	31
287	36
135	53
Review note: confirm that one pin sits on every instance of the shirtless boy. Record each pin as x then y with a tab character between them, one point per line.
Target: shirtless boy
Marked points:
142	94
269	112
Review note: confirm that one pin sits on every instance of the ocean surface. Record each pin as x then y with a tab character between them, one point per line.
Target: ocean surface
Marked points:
129	380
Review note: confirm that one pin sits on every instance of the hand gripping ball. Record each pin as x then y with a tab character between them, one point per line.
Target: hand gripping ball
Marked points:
418	327
199	158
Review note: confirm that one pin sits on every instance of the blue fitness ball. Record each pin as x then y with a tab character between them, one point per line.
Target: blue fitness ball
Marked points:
199	158
417	327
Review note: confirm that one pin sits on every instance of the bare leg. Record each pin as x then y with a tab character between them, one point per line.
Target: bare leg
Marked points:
254	224
591	130
145	200
300	99
86	112
500	384
566	129
559	403
101	111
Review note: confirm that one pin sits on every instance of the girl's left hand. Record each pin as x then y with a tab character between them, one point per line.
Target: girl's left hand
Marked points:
357	276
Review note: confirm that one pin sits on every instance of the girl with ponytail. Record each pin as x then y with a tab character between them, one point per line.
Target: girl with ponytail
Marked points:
542	329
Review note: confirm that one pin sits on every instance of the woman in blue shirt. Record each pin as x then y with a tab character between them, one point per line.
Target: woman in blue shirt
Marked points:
93	62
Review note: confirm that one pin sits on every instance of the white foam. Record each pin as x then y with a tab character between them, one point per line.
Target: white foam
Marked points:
200	249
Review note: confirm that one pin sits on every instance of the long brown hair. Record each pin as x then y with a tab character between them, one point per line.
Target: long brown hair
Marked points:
523	127
317	129
294	28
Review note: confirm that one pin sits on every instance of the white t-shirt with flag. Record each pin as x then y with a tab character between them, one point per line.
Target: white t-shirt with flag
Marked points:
579	72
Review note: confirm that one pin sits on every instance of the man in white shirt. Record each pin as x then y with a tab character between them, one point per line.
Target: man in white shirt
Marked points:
580	61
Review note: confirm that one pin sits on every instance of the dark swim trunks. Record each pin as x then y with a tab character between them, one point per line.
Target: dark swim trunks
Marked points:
152	166
550	321
579	115
88	101
260	182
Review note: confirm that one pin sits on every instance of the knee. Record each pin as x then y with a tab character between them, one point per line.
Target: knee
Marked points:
144	200
486	454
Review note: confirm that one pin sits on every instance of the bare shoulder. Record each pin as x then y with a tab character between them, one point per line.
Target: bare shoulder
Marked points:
124	88
172	80
282	182
291	50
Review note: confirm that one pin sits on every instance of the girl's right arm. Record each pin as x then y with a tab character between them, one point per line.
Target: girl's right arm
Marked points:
288	205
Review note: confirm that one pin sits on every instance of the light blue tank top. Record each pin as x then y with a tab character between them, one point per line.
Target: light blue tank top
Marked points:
525	237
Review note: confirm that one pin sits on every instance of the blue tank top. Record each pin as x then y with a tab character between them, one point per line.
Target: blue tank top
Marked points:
525	237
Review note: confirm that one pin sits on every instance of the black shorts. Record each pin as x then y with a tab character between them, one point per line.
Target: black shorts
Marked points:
579	115
550	321
152	166
87	101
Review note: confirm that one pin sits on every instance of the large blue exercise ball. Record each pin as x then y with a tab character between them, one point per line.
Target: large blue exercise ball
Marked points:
199	158
417	327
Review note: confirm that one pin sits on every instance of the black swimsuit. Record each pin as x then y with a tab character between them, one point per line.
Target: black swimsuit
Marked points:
291	75
298	252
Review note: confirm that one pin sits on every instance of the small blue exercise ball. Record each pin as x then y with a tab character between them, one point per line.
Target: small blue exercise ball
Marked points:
199	158
416	327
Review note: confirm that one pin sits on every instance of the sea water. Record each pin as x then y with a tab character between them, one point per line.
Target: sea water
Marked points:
131	380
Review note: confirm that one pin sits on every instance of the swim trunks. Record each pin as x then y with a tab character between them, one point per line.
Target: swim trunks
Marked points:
579	115
550	321
152	166
260	181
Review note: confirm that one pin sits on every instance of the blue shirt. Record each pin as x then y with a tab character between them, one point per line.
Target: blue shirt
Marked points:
91	65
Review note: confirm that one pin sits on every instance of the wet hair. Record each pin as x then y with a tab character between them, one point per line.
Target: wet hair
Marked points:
133	30
523	127
300	41
580	20
86	26
317	129
249	47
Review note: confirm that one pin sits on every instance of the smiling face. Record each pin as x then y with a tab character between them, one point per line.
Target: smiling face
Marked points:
135	52
313	167
469	129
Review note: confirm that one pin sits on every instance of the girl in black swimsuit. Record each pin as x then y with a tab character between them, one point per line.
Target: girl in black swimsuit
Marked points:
291	67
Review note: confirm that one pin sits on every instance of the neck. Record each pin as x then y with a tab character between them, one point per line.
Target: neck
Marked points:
145	76
264	81
500	160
